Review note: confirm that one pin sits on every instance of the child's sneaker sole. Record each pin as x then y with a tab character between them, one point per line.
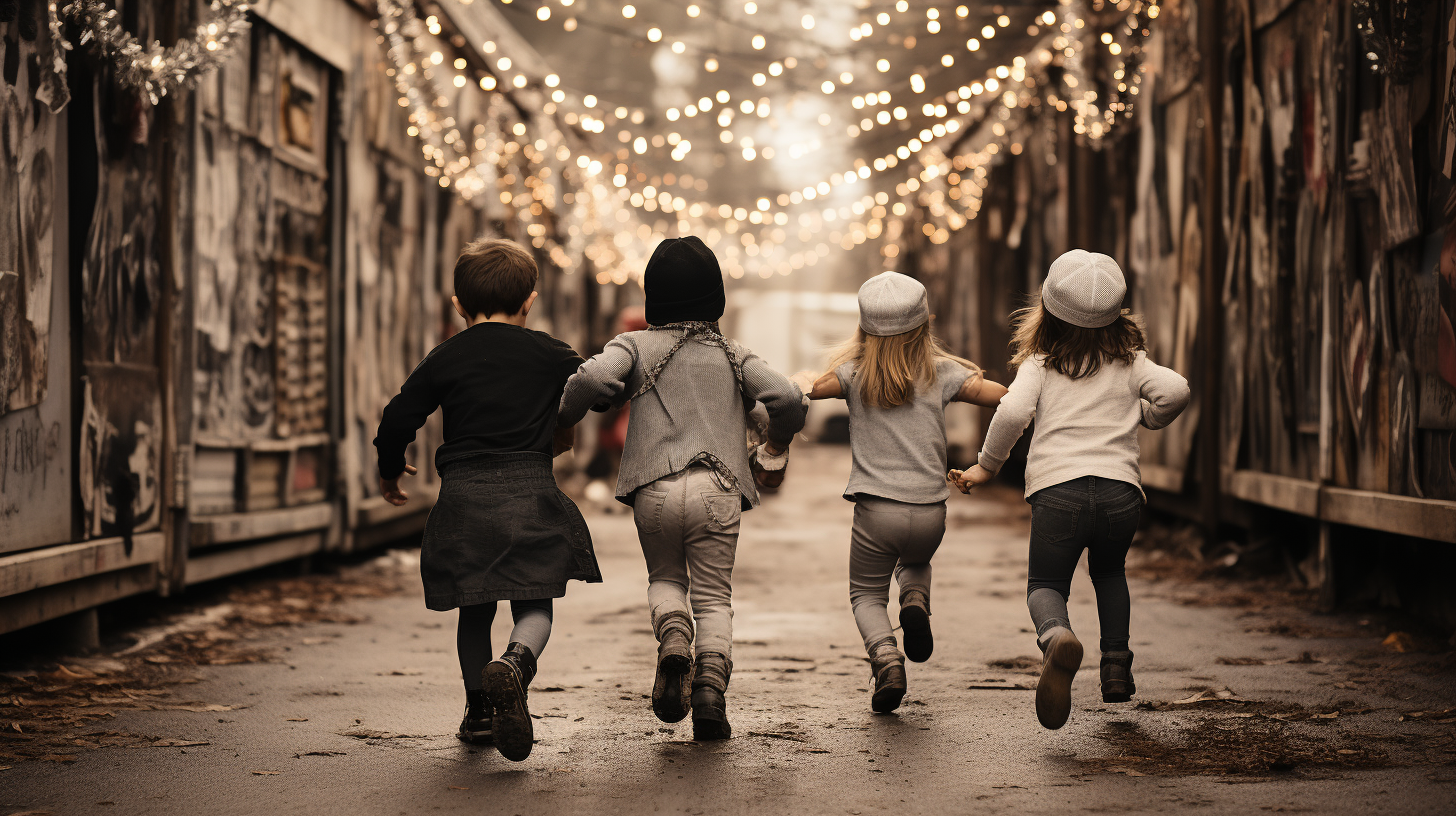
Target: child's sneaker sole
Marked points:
1054	688
915	627
672	691
511	727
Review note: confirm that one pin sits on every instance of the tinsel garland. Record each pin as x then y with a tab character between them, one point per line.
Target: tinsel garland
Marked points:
152	68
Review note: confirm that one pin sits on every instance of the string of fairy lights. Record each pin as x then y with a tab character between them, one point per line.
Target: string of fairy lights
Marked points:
760	235
582	192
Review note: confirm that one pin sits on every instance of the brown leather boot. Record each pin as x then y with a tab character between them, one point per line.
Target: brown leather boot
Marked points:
710	709
887	667
1117	684
915	624
1062	656
673	688
506	681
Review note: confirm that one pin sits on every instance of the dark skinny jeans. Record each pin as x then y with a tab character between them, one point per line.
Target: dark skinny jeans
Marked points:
1092	513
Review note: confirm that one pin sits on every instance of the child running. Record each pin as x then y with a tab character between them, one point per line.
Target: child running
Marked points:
897	380
1085	376
686	469
501	530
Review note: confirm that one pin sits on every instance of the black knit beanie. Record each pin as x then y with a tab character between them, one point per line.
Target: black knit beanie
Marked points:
683	282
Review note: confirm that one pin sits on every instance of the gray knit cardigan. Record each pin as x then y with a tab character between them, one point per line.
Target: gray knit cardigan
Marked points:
694	414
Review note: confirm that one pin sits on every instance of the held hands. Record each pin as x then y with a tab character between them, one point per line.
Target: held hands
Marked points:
969	479
389	488
768	462
805	380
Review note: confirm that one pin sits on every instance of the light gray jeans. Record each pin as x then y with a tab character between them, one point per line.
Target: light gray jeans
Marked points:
889	538
688	525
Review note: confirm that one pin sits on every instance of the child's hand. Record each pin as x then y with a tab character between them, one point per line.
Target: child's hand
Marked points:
805	380
967	480
389	488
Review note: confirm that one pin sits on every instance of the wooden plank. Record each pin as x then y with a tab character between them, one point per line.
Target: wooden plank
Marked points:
1281	492
241	559
47	603
375	510
232	527
401	527
1163	478
1403	515
69	562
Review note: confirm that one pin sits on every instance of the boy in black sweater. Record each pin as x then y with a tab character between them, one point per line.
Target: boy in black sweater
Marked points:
501	529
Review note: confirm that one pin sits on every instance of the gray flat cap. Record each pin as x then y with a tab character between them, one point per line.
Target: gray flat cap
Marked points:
891	303
1085	289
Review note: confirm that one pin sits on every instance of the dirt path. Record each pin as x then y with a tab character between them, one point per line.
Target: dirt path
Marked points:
1253	707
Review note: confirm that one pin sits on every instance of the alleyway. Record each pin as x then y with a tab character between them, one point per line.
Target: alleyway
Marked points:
360	718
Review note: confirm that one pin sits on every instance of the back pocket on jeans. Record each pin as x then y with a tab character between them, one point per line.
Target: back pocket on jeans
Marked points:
724	511
1054	521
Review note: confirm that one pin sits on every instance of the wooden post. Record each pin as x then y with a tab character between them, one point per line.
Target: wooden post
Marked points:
1210	311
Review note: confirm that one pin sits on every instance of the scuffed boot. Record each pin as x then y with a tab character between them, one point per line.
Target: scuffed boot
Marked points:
915	624
710	710
1061	657
887	667
673	688
1117	684
506	681
475	728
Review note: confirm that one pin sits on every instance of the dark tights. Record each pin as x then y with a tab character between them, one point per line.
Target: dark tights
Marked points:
472	636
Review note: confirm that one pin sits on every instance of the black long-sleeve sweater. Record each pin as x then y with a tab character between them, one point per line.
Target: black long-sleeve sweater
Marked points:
499	385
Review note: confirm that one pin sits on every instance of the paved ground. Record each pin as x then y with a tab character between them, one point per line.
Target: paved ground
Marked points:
359	718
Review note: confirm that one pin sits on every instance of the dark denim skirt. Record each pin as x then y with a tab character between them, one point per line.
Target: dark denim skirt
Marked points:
503	531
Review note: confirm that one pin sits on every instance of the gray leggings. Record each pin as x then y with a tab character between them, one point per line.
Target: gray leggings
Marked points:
472	636
889	538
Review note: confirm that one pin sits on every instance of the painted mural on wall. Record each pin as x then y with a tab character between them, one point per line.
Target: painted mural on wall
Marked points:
27	212
120	438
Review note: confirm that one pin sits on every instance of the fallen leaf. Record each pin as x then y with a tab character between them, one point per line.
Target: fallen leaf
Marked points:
1210	695
456	787
6	767
1399	642
1330	716
1242	661
370	733
296	719
266	773
176	743
157	659
198	708
320	753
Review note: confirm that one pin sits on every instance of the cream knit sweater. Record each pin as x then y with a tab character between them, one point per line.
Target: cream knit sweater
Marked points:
1084	427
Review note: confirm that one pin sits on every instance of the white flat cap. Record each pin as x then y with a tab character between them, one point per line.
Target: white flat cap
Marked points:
891	303
1085	289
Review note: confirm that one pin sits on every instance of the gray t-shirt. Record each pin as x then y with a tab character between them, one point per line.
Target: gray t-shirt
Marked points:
899	453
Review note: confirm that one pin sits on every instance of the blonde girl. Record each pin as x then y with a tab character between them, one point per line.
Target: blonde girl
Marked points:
1084	375
897	380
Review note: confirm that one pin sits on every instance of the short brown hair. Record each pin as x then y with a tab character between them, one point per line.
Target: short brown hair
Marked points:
1072	350
494	275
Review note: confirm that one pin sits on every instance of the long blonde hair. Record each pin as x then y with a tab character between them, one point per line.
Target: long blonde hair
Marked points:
889	369
1073	350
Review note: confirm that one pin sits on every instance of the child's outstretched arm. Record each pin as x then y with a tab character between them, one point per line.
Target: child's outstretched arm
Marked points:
1164	393
980	391
402	417
819	386
1014	412
782	399
598	384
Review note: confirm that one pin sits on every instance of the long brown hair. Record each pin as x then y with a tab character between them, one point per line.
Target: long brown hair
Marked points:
889	369
1073	350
